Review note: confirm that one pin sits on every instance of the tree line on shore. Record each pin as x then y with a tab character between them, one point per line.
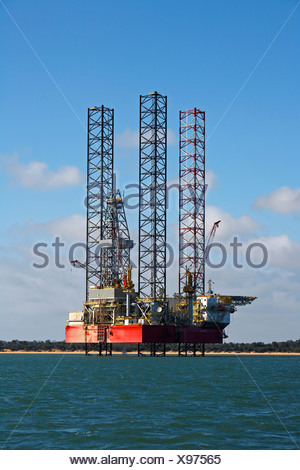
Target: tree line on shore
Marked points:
259	347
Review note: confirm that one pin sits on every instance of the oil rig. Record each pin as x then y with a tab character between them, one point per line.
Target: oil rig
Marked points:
113	310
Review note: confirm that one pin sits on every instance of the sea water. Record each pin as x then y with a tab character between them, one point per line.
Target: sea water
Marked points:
56	401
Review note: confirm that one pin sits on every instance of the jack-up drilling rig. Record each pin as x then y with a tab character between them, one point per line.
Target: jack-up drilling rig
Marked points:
113	311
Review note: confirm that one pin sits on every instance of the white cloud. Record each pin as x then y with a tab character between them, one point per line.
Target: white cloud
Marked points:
276	251
37	175
229	226
283	200
172	139
48	293
71	228
274	315
130	139
211	179
282	251
47	296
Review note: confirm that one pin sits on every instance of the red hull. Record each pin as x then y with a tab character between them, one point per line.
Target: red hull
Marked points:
142	334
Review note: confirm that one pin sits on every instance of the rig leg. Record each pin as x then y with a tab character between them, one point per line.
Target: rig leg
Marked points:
108	349
151	349
86	349
105	349
182	349
159	349
191	349
203	349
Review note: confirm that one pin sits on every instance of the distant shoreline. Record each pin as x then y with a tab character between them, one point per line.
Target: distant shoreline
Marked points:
168	353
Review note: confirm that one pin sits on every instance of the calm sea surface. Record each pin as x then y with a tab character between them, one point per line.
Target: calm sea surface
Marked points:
129	402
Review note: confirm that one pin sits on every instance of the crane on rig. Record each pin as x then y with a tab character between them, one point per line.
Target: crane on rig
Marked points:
210	238
207	248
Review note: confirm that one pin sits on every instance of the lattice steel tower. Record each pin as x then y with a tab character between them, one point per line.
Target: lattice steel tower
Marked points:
99	187
192	198
152	196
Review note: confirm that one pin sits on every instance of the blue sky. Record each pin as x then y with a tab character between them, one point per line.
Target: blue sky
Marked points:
80	54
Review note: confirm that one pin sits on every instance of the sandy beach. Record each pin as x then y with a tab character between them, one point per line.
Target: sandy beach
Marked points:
168	353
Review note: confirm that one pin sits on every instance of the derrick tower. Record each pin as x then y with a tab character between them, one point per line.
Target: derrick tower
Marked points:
116	244
100	156
107	234
192	199
152	197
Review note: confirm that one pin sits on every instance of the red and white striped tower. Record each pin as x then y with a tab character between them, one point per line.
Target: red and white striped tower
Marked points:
192	198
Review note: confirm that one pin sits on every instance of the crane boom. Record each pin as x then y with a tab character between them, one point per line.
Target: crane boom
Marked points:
210	238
